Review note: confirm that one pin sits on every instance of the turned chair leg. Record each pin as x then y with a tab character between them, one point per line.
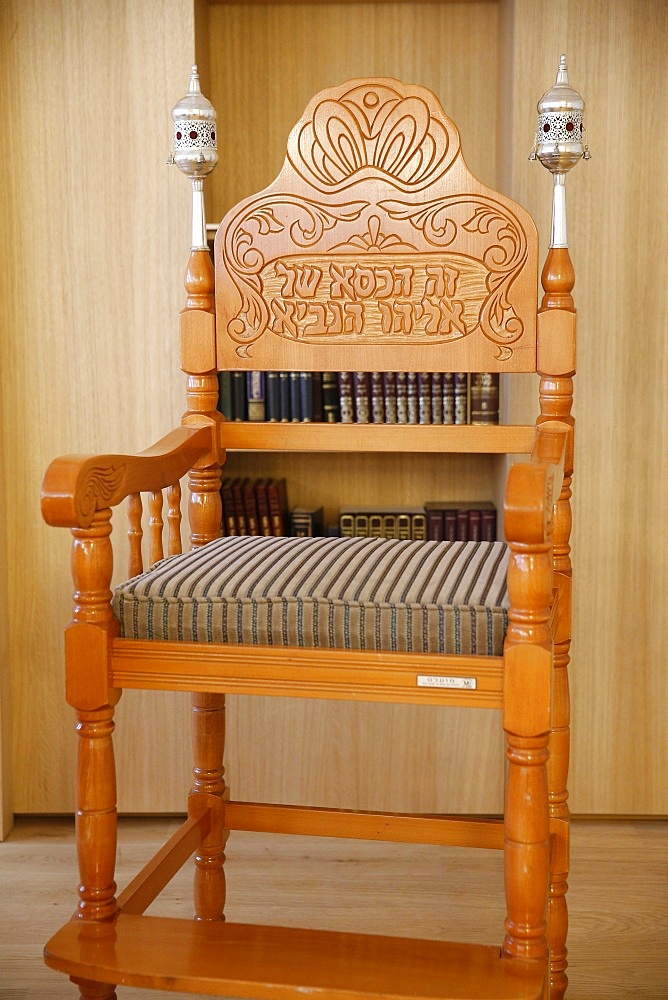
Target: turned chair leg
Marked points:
94	991
209	791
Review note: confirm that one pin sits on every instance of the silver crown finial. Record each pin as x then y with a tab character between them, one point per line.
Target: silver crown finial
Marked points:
558	142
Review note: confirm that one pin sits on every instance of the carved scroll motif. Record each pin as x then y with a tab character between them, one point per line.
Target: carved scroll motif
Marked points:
504	253
246	249
97	488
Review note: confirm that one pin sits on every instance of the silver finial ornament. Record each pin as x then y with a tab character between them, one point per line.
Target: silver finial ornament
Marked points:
195	149
558	143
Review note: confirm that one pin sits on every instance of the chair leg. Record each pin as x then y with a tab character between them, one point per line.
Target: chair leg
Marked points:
526	848
208	728
94	991
96	828
560	825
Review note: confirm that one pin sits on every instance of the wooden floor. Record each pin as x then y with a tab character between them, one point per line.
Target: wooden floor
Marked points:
618	898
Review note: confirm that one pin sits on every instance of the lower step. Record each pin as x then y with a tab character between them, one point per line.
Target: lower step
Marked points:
278	963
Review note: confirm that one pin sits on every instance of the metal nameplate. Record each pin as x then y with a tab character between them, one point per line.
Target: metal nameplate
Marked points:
457	683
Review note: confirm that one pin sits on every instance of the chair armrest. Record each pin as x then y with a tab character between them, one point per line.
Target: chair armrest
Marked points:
533	487
76	486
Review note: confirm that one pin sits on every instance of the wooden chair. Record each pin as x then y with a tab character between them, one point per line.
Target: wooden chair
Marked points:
374	250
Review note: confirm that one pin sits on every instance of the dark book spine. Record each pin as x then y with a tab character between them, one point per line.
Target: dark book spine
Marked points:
255	395
318	411
437	397
390	397
448	397
346	404
330	398
475	526
295	397
449	525
362	397
273	400
462	526
424	397
306	523
262	501
488	525
250	507
485	398
229	518
225	394
284	395
239	511
461	397
377	398
435	525
306	396
239	396
412	398
277	497
402	398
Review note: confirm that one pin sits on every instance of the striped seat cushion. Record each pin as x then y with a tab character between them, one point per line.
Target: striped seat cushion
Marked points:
347	593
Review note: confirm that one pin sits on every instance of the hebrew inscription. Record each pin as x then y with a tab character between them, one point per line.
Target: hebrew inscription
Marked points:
421	297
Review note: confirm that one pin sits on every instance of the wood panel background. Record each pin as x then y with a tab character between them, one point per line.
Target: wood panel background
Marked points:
94	242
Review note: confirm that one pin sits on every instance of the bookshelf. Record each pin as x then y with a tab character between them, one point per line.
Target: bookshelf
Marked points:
394	438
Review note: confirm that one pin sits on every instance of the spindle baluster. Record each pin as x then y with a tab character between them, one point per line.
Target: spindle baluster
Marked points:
174	519
135	535
155	526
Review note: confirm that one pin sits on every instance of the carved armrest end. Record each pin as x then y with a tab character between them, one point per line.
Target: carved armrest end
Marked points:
76	486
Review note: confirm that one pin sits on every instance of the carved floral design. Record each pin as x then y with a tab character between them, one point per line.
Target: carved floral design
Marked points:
372	240
374	128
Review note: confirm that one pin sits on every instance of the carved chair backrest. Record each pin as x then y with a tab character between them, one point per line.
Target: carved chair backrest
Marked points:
376	249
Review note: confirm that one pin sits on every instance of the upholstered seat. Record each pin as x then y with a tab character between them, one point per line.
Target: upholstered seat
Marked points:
344	593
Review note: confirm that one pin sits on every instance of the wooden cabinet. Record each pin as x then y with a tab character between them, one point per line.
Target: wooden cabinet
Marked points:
96	83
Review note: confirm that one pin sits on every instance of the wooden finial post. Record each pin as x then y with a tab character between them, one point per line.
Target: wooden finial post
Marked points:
556	366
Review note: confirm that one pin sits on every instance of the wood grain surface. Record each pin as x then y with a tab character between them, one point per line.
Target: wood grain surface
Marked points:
618	928
94	245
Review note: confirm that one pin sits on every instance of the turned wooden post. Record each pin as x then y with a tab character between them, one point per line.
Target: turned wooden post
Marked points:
556	365
209	792
527	689
198	360
86	646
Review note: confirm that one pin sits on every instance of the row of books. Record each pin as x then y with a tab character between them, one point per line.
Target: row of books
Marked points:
361	397
451	521
260	507
254	506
